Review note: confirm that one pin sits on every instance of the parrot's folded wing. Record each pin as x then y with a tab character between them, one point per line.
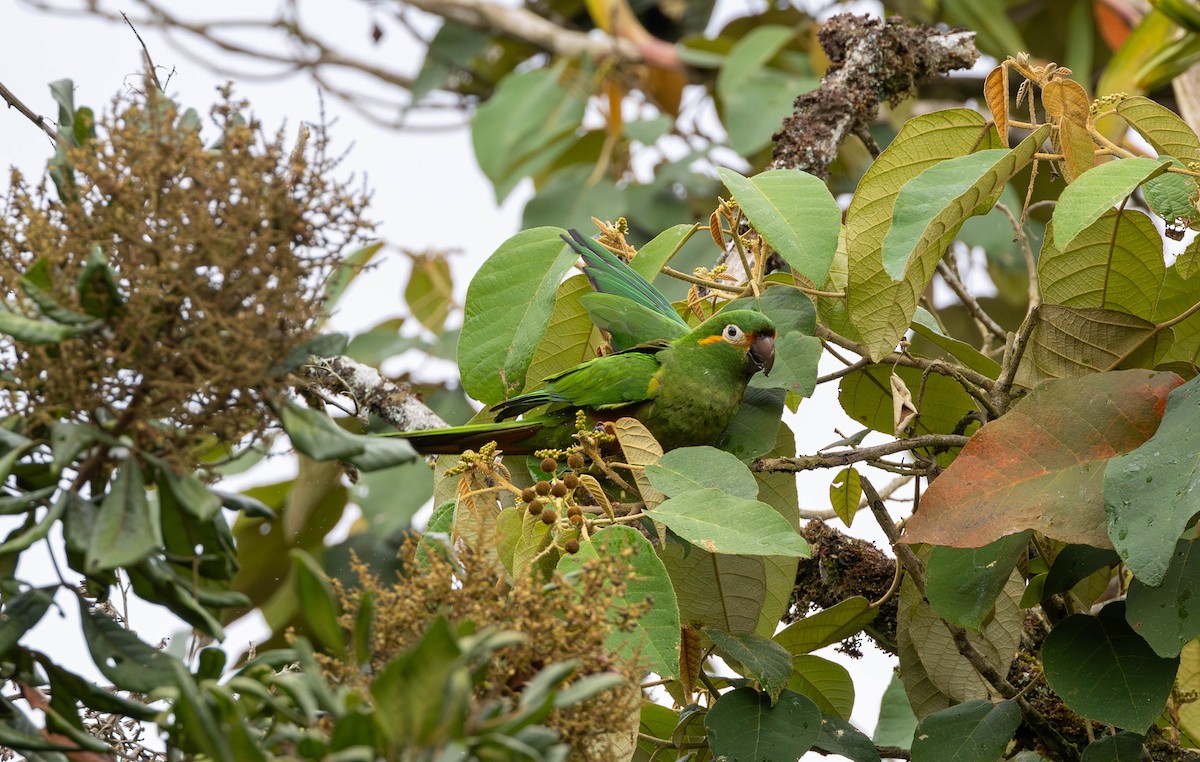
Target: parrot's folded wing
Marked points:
609	275
629	323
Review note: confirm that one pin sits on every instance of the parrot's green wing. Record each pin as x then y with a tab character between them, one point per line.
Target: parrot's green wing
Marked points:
620	379
629	323
630	309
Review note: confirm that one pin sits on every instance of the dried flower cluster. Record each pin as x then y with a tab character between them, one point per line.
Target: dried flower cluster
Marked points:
199	265
562	620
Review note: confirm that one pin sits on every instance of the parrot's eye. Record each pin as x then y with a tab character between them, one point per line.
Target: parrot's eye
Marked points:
733	334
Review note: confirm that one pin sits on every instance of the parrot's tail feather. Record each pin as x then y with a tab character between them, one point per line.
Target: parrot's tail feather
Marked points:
511	408
510	437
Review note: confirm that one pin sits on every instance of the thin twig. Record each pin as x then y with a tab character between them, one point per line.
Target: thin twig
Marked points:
969	301
15	102
963	375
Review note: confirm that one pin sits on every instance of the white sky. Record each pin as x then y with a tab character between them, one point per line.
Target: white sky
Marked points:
428	193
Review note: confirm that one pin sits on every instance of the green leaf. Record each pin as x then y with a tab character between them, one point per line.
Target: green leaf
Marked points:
794	212
845	492
691	468
21	612
1123	747
572	196
754	97
93	695
35	530
122	657
962	584
1095	192
795	368
191	494
924	325
977	731
827	683
408	692
827	626
654	637
127	526
743	726
320	608
1103	670
1162	128
316	435
38	286
32	331
429	293
755	425
1170	196
897	723
450	51
998	34
528	122
509	303
840	737
756	657
1162	615
932	206
1114	263
735	593
879	308
1056	442
99	294
1073	564
349	269
658	251
1150	492
722	523
569	338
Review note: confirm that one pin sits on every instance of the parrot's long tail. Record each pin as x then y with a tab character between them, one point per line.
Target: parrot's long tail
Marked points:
511	436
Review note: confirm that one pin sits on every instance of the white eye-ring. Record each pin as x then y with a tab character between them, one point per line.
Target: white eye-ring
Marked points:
733	334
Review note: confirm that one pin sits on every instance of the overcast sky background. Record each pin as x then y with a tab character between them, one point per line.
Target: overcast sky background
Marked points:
428	193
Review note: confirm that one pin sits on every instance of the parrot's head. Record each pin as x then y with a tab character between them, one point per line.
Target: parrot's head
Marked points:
751	333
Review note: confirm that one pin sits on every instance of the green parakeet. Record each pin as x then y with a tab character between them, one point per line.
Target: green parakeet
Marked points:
684	384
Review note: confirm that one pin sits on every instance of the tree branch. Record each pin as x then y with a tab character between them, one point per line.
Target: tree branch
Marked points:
872	61
395	403
969	301
856	455
15	102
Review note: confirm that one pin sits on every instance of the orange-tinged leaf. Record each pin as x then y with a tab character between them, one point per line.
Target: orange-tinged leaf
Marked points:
1079	152
995	92
1041	466
1066	99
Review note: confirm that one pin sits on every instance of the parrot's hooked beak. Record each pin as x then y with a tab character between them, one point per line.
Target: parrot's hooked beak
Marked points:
762	352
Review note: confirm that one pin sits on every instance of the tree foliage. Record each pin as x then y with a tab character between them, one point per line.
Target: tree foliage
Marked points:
1038	596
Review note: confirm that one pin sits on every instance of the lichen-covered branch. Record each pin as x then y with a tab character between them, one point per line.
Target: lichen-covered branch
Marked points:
871	61
395	403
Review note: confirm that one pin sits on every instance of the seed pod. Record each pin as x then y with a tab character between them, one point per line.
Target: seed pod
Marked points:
549	516
571	546
575	460
535	507
542	488
559	489
528	495
576	519
549	465
570	481
574	510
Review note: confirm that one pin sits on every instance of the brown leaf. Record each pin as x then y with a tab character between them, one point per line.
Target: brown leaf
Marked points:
1041	467
1065	99
995	92
1078	149
1074	341
691	657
